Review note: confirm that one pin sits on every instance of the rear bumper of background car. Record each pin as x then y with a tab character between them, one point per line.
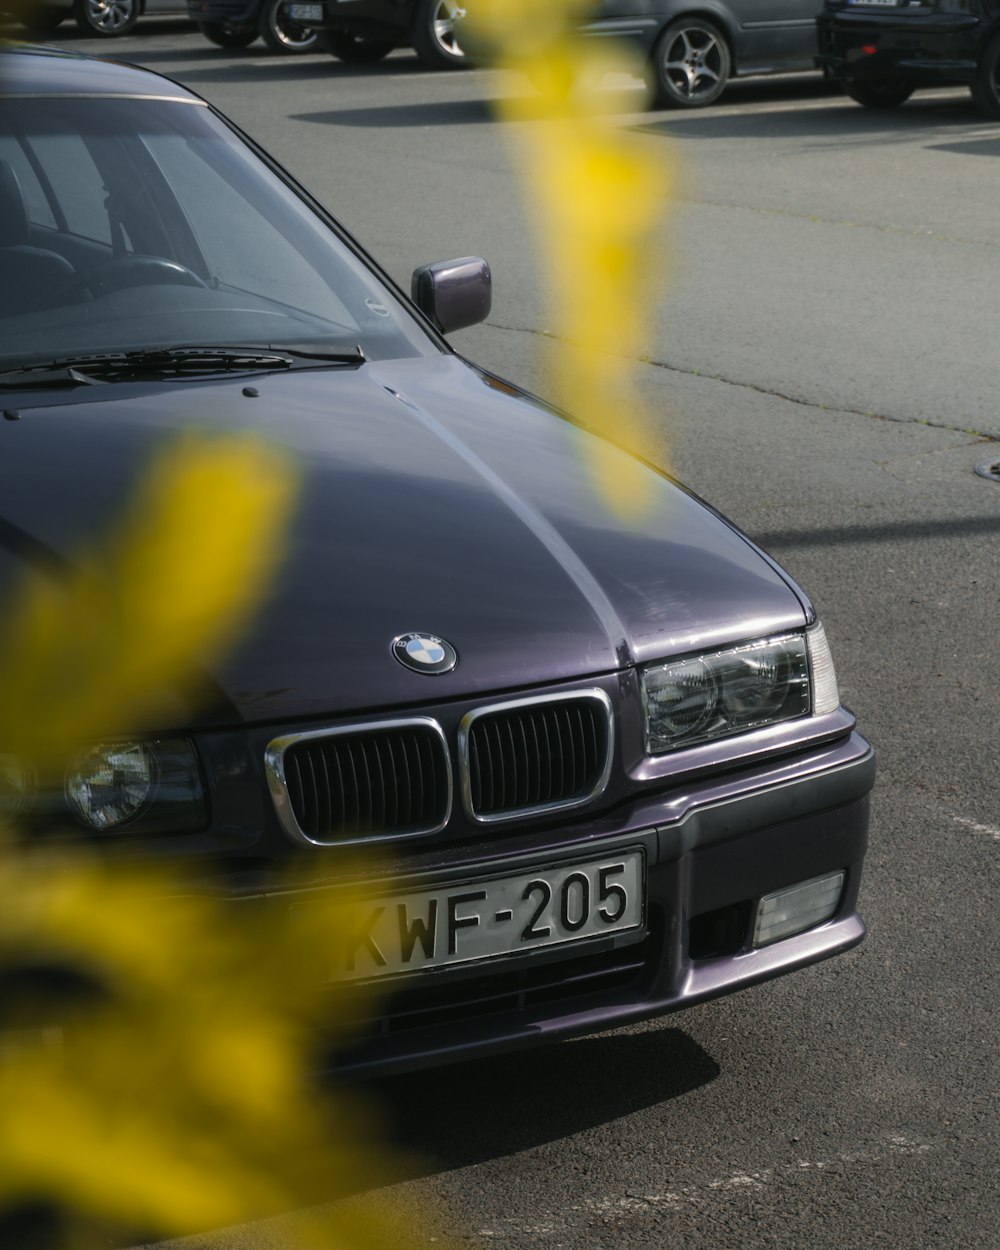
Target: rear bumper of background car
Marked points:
937	49
233	13
710	853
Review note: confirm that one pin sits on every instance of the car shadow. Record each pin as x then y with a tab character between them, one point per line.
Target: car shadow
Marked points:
471	1112
827	114
444	1118
981	527
255	63
806	106
438	113
988	145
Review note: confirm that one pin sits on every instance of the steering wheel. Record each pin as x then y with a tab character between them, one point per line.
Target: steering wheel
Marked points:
118	274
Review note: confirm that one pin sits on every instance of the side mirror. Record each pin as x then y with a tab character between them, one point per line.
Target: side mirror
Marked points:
453	293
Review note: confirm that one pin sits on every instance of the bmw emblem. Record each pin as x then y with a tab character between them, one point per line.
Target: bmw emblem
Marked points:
424	653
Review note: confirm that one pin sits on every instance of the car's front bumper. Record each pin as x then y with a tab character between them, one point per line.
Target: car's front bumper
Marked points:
711	853
932	49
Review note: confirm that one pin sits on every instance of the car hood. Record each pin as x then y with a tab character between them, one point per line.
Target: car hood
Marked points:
433	499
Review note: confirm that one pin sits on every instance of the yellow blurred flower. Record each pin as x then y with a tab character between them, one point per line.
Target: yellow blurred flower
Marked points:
599	194
178	1097
89	652
156	1042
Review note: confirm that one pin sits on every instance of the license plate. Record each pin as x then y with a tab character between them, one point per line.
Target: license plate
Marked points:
873	4
492	918
305	12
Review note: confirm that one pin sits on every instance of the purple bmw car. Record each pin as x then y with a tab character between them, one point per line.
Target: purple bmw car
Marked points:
604	761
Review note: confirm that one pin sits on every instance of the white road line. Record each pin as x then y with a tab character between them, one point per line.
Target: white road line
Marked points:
986	831
676	1200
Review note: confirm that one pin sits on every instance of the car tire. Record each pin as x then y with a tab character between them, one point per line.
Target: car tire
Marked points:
224	36
985	86
690	65
356	49
106	18
283	35
434	34
880	93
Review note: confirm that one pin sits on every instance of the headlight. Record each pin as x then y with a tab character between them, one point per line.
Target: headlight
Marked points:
730	691
131	787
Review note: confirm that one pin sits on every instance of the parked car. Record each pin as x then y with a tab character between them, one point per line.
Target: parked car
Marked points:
603	757
364	31
881	51
692	48
237	23
103	18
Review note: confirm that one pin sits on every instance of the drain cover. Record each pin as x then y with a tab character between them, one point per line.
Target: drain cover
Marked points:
990	469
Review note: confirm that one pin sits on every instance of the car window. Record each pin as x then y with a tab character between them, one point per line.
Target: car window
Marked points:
76	184
38	207
152	226
240	243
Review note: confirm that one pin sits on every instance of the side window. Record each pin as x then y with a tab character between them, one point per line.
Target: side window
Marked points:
76	183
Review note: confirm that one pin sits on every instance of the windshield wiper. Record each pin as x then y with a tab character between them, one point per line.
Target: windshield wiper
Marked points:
357	357
113	366
167	362
45	375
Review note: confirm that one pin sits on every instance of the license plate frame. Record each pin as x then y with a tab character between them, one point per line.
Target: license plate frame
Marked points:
307	14
492	918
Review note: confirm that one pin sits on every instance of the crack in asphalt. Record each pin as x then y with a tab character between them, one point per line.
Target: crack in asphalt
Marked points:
916	232
992	436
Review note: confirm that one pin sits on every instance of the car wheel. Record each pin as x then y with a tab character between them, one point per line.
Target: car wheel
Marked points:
106	18
281	34
690	64
355	49
880	93
986	84
435	33
224	36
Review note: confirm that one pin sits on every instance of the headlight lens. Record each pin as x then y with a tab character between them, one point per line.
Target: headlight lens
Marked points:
137	787
726	692
108	785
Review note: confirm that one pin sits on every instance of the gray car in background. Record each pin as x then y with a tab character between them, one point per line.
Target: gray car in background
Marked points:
104	18
692	49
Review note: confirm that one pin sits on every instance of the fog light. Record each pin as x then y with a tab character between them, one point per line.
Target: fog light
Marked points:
798	908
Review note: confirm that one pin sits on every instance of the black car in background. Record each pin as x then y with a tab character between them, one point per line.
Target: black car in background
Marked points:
693	47
883	50
237	23
364	31
603	758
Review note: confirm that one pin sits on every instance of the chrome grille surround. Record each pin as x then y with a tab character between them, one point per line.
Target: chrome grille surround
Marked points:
517	712
278	767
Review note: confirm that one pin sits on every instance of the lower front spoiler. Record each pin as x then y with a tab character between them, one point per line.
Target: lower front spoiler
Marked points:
707	871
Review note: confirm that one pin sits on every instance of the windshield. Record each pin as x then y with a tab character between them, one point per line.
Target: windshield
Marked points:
129	225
